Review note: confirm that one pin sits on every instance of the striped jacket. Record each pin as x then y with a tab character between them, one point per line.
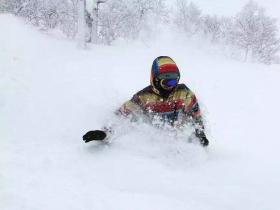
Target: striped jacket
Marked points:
178	109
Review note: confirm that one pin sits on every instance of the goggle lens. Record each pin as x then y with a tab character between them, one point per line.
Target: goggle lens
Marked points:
169	83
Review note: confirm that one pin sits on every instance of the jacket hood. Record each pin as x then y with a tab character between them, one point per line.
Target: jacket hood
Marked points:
163	67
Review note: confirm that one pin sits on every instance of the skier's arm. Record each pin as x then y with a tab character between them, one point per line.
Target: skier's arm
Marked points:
192	112
130	108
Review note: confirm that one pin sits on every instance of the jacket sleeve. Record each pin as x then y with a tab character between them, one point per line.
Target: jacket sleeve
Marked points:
130	108
192	112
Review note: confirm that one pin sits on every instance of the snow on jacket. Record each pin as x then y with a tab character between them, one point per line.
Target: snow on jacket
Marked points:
179	108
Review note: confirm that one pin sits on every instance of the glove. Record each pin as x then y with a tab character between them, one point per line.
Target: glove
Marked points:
204	141
202	138
96	135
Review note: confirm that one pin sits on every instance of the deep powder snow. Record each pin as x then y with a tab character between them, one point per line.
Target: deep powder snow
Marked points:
51	93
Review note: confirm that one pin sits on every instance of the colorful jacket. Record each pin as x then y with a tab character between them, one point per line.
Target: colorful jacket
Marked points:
178	109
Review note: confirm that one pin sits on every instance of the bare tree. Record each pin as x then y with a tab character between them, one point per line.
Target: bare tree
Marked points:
212	27
47	14
250	34
256	33
81	23
188	17
123	19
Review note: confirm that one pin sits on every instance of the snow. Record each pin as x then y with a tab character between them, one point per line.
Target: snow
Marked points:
52	93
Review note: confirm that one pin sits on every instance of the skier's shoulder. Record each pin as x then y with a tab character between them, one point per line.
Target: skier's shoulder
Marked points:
183	91
142	94
184	88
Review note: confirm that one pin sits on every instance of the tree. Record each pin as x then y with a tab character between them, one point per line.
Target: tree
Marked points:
212	27
81	23
188	17
126	19
256	33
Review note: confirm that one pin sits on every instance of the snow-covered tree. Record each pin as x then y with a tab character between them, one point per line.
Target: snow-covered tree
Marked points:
125	19
250	33
188	17
68	17
256	33
212	27
3	6
47	14
81	23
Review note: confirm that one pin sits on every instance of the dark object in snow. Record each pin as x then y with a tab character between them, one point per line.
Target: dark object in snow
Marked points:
204	141
96	135
202	138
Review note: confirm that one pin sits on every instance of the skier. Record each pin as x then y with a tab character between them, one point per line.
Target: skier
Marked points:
164	100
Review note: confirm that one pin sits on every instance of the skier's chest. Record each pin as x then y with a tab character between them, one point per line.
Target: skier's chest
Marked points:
163	106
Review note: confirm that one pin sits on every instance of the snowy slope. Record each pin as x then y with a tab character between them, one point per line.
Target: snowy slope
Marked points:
51	93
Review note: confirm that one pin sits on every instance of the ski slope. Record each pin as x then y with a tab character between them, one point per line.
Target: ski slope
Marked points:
51	93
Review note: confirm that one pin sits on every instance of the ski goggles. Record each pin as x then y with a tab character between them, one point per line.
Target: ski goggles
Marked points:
168	83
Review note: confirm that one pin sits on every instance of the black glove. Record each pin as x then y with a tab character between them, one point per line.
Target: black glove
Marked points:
96	135
202	138
204	141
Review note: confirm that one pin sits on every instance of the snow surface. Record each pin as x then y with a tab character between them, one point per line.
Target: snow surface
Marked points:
51	93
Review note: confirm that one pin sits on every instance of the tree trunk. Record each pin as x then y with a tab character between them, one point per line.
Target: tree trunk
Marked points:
81	24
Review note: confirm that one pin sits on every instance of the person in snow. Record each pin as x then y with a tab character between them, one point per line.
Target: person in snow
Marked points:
164	100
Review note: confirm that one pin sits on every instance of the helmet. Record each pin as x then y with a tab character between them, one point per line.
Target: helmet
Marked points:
165	75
